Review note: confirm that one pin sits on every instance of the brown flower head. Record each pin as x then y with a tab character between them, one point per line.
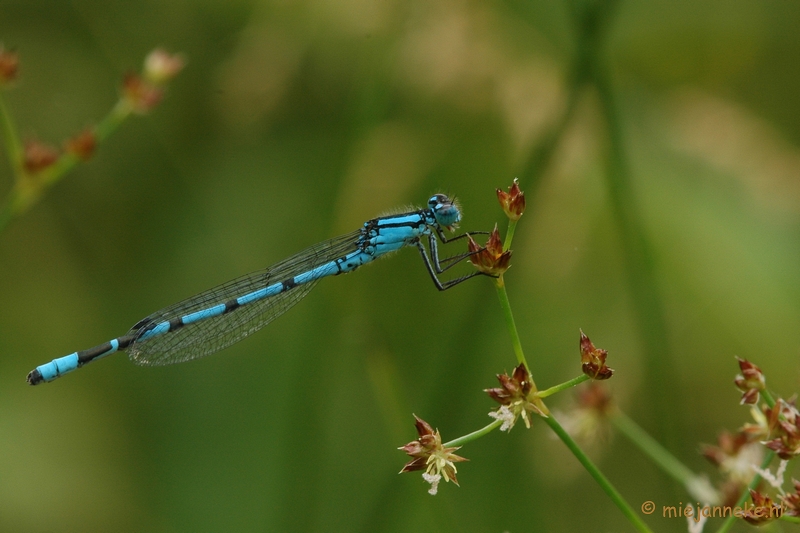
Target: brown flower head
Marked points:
729	491
516	396
596	397
9	65
751	381
593	360
37	156
588	419
764	510
784	424
759	429
513	201
430	455
491	259
728	445
735	455
791	500
141	95
82	144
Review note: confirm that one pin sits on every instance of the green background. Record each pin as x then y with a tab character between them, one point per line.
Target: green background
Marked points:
295	121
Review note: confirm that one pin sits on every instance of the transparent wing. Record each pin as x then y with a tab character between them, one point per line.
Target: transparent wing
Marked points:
205	337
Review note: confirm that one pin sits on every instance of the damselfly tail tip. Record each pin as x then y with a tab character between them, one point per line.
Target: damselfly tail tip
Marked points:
34	377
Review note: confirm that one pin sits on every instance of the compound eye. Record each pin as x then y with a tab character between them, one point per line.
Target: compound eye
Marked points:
438	201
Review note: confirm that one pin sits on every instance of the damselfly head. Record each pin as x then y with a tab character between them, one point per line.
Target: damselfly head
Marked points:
446	211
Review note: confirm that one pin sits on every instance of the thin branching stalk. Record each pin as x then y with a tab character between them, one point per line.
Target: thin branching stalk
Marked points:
598	476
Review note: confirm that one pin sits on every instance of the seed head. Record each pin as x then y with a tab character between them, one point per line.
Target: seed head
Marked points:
593	360
513	201
491	259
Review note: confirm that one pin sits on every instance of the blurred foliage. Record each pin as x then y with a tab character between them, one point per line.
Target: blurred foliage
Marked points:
295	121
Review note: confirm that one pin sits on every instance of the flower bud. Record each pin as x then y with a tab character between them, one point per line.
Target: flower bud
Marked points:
161	66
513	201
140	94
751	381
82	144
593	360
9	66
491	259
37	156
764	510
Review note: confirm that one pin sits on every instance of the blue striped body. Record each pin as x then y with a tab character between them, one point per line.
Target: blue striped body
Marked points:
216	318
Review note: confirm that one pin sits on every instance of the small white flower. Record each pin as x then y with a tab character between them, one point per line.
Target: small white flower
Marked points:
434	480
740	466
774	480
504	414
161	66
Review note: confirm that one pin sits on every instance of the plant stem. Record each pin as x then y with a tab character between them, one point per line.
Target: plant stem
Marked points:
566	385
13	144
653	449
728	523
460	441
512	225
117	116
104	128
757	479
598	476
28	188
639	261
510	324
770	401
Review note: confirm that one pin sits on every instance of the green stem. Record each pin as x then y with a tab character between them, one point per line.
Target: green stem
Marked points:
14	149
111	121
598	476
460	441
639	261
512	225
512	327
653	449
768	398
566	385
728	523
104	128
757	479
29	188
13	144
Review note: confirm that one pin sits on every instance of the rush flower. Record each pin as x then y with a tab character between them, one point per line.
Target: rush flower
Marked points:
142	95
430	455
759	429
593	360
735	455
37	156
9	65
792	500
513	201
784	423
144	92
751	381
491	259
516	397
160	66
588	421
82	144
764	510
